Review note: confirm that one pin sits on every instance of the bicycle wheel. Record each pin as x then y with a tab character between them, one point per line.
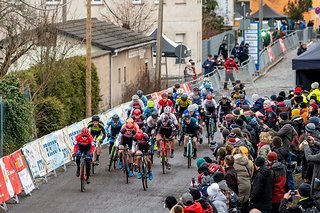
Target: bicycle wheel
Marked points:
214	129
163	162
125	167
115	159
82	175
92	169
144	175
111	160
189	154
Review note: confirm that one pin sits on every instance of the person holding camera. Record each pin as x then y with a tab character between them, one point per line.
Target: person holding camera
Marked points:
305	201
313	159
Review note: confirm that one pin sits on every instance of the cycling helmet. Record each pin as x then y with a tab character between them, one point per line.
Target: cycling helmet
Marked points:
209	97
139	93
129	123
135	97
167	109
207	85
206	79
85	130
241	96
115	117
180	91
164	95
190	108
229	117
165	118
196	89
238	81
195	106
176	85
236	88
170	91
224	97
139	135
150	104
154	114
187	116
137	112
95	118
184	97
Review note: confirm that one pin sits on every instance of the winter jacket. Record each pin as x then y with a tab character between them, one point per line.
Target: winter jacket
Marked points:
315	160
286	133
304	115
230	64
280	178
262	189
281	107
283	154
219	202
258	105
263	150
270	118
194	208
244	172
307	203
298	124
232	179
315	92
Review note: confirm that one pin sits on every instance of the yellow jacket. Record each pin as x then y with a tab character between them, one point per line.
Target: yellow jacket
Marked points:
315	92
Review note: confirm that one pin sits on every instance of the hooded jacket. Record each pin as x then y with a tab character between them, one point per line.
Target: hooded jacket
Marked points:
286	133
315	92
307	203
263	149
280	178
262	185
298	124
315	161
194	208
218	199
243	169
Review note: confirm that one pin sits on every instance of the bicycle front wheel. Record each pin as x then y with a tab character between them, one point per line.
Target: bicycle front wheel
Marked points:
144	178
111	160
125	167
189	154
163	161
82	175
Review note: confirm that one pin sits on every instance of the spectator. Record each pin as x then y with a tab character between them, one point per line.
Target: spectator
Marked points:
270	117
217	198
245	53
229	66
193	66
189	205
286	132
282	153
279	185
223	50
310	23
188	72
219	178
177	209
197	197
302	49
264	145
305	201
231	174
297	121
208	65
304	112
170	202
236	51
315	91
262	185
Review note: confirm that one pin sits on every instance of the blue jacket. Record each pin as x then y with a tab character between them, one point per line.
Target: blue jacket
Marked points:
207	69
147	111
113	129
194	115
245	102
192	127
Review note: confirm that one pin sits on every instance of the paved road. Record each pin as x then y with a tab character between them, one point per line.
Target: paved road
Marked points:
108	191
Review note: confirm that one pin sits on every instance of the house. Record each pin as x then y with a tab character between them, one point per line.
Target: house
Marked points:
123	58
182	21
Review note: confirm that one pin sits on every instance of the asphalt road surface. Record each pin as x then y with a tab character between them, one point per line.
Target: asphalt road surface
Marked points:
108	191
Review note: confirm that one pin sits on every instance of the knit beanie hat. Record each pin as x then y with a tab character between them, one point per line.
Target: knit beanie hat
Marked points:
304	190
222	152
218	176
282	94
267	102
244	150
254	98
236	113
187	198
273	97
272	156
295	112
200	161
314	106
288	103
170	202
283	115
280	99
239	122
196	194
260	161
298	99
207	159
203	168
310	127
314	120
314	85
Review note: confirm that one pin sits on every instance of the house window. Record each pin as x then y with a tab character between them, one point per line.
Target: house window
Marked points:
180	1
119	75
157	1
125	74
53	1
180	38
96	2
137	1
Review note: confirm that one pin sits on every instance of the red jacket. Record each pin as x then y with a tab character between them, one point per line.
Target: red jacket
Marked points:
162	103
279	184
80	141
194	208
230	64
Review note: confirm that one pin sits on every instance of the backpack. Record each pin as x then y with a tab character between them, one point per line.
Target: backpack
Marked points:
213	168
294	142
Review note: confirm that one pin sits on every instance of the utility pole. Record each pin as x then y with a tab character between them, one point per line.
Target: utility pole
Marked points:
88	60
159	46
64	11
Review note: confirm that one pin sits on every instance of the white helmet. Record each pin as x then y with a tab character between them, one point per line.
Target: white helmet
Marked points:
206	79
195	106
170	90
190	108
167	109
180	91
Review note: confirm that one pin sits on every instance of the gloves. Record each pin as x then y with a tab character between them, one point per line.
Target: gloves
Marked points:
89	156
108	135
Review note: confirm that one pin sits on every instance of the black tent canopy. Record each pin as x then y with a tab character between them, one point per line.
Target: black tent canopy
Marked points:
307	66
168	46
268	13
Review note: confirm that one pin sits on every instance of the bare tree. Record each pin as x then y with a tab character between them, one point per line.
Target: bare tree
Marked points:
124	13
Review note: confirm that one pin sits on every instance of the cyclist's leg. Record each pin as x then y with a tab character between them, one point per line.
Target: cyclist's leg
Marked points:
173	142
158	138
185	141
120	153
138	161
98	149
130	144
88	160
195	146
110	147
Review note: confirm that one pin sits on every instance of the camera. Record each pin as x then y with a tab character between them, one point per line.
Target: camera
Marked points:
293	193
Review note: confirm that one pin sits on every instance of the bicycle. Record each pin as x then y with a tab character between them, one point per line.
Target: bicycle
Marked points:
144	170
83	171
165	149
113	157
190	152
151	144
211	127
125	161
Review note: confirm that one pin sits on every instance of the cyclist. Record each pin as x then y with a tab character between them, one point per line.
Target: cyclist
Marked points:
152	123
196	97
207	89
225	107
242	101
178	94
205	80
182	104
241	86
149	109
98	132
84	143
114	124
192	111
138	118
128	130
136	103
190	127
170	94
142	141
173	119
142	97
209	106
165	129
164	102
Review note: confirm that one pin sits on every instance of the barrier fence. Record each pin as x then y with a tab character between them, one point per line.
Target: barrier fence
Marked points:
20	170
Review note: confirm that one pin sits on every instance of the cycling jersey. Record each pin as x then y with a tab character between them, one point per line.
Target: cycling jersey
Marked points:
114	129
192	128
181	105
195	114
144	100
139	120
163	103
196	98
225	107
205	92
202	86
83	144
147	111
98	130
209	106
240	103
136	105
127	135
172	118
167	130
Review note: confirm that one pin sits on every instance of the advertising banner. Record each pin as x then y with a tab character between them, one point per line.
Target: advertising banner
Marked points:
24	175
270	53
283	47
252	36
11	174
33	156
4	194
66	151
70	133
52	153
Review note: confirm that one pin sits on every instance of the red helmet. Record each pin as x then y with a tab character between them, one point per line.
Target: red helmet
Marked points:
139	135
85	130
136	112
129	123
209	97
